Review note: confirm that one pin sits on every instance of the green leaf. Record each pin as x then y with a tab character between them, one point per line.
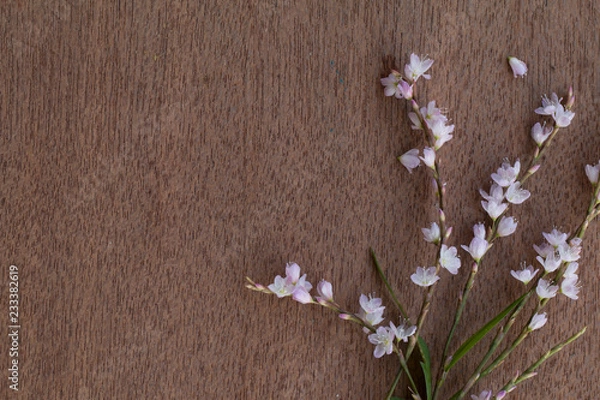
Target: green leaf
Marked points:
387	285
396	398
426	366
480	334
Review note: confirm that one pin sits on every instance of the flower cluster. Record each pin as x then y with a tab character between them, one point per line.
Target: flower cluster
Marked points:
558	257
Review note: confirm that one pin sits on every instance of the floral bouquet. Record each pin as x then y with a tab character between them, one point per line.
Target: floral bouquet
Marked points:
554	270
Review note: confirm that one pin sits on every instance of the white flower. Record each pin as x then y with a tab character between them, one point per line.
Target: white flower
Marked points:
570	271
485	395
441	132
544	249
593	173
428	157
410	159
548	105
545	290
391	83
477	248
569	253
516	195
417	67
301	295
383	339
551	262
373	318
562	117
540	133
493	208
432	235
281	287
525	275
537	321
432	114
479	230
570	288
449	259
506	226
371	309
556	237
396	86
403	331
425	277
496	193
370	304
325	290
519	68
507	174
414	118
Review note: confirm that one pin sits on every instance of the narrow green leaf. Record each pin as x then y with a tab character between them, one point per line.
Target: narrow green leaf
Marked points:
480	334
426	367
387	285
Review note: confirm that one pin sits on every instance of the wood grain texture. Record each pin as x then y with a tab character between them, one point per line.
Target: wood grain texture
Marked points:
153	154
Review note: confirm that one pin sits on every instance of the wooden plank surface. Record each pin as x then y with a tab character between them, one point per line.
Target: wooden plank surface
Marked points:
153	154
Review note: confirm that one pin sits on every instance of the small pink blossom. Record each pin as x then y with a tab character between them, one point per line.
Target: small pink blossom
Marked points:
506	226
425	277
537	321
540	133
518	67
417	68
485	395
410	159
403	331
383	339
551	262
545	290
570	288
549	105
428	157
325	290
525	275
496	193
449	260
593	173
556	237
515	195
432	235
507	174
494	209
476	248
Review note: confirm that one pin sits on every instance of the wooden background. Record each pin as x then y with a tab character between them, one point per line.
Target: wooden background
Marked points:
153	154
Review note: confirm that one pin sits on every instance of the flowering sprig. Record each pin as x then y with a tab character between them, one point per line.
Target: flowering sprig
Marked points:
556	262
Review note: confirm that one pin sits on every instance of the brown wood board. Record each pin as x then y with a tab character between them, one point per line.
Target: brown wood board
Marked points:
153	154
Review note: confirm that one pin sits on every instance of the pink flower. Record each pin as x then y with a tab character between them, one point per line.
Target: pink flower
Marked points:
410	159
425	277
537	321
540	133
593	173
525	275
383	339
325	291
506	226
417	68
519	68
545	290
476	248
449	260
